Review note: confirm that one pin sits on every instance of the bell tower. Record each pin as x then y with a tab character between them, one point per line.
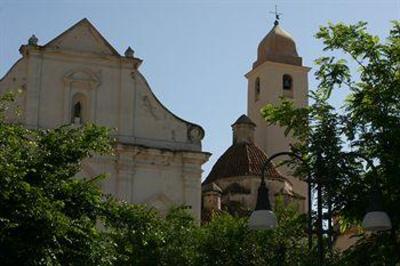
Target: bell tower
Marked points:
277	72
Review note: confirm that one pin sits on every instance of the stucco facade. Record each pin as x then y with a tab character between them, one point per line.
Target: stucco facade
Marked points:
277	72
79	77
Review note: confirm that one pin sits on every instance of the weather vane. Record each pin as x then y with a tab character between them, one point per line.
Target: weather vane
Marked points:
277	15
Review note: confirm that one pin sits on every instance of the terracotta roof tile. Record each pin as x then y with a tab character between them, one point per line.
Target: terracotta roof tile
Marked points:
241	159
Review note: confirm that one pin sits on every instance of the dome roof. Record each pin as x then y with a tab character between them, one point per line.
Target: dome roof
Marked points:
241	159
278	46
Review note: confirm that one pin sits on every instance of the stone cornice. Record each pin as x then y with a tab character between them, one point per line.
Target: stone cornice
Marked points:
261	68
137	150
79	56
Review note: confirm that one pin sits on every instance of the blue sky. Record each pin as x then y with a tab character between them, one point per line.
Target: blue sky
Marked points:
195	52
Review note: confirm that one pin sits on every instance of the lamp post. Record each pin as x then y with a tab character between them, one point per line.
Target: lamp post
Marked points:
376	219
263	217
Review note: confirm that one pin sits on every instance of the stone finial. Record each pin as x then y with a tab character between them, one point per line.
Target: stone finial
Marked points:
33	40
129	52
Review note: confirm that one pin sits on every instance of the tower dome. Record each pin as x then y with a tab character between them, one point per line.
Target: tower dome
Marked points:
234	180
278	46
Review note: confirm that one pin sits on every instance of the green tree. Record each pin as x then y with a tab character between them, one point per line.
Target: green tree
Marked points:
47	217
142	237
367	124
227	240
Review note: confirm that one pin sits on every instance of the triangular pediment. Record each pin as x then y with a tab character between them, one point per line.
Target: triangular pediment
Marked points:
82	37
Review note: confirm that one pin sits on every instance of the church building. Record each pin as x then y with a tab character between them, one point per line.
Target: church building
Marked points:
79	77
233	182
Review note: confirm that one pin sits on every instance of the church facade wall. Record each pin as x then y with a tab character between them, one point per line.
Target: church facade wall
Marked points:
158	178
77	78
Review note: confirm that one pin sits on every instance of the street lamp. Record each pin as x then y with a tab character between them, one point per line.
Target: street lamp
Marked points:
263	218
376	219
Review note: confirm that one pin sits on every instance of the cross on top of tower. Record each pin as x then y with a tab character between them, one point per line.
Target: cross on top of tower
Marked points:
277	15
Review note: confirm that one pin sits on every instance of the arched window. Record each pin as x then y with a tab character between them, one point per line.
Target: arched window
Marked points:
287	82
77	112
257	89
79	109
287	85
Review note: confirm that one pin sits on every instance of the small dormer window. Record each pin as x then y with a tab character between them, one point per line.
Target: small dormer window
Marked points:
257	89
287	82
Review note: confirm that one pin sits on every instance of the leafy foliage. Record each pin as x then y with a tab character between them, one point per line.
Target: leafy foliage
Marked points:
49	217
142	238
46	216
368	124
227	240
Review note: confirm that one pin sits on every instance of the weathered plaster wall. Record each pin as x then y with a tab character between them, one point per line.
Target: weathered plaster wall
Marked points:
269	137
158	156
250	184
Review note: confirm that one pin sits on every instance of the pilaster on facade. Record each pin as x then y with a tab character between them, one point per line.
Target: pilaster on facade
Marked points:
78	78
